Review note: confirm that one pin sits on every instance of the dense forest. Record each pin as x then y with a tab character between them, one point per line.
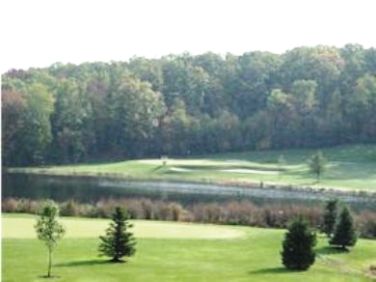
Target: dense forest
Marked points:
184	105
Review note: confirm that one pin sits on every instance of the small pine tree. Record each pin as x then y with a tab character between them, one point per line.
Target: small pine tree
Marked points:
49	230
329	217
317	164
298	253
118	242
344	234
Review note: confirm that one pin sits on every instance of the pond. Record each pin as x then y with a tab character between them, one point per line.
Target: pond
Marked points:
91	189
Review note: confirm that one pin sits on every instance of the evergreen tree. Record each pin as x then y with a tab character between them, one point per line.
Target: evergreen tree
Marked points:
317	164
118	242
329	218
298	253
344	234
49	230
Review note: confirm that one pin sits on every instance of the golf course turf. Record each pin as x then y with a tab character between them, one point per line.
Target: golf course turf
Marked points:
348	167
168	251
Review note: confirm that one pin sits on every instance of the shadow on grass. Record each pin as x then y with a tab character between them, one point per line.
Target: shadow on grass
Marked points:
49	277
83	263
157	168
328	250
272	270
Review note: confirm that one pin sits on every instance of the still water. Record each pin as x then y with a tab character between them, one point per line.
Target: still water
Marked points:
92	189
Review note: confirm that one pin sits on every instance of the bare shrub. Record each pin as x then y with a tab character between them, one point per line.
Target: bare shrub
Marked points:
9	205
70	208
231	212
366	223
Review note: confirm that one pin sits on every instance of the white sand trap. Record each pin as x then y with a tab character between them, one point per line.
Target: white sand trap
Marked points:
179	162
253	171
153	161
179	169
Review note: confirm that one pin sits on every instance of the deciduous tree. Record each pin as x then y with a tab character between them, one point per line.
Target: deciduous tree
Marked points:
49	230
317	164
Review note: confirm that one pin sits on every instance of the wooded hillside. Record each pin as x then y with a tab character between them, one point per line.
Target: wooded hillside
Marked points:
184	104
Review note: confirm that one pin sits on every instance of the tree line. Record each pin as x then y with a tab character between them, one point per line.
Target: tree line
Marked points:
184	104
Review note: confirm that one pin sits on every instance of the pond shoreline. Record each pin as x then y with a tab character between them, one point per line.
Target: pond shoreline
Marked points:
206	187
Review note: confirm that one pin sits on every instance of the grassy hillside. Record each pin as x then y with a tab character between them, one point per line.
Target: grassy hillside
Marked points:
173	252
349	167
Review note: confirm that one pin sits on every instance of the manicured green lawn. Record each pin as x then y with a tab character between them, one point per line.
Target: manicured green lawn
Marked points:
252	254
21	226
349	167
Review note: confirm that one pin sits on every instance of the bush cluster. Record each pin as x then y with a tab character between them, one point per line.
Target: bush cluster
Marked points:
230	212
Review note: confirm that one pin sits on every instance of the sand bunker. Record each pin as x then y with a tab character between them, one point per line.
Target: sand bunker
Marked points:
175	162
179	169
254	171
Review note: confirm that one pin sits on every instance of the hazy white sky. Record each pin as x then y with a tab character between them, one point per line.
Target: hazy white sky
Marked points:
37	33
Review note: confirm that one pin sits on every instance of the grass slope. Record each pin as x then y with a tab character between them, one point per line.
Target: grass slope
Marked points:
251	257
349	167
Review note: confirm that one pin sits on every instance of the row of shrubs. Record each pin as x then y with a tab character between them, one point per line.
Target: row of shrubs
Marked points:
231	212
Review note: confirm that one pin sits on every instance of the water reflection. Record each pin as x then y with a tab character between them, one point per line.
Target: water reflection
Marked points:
90	189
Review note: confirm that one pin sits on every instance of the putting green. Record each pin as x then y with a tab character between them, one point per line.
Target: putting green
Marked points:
19	226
